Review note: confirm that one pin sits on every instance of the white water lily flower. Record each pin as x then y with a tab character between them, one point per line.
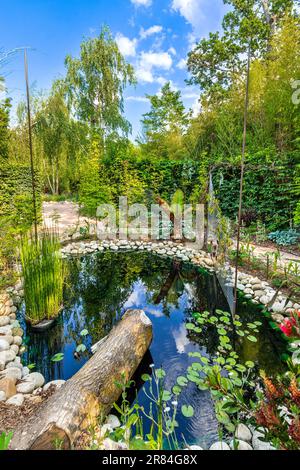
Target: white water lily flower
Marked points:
174	403
151	366
167	409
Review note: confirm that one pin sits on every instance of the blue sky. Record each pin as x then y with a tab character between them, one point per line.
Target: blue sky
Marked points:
154	35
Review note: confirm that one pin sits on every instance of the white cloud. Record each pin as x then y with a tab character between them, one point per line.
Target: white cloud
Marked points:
172	51
144	75
139	99
148	61
145	3
145	33
191	10
181	64
127	46
190	96
162	60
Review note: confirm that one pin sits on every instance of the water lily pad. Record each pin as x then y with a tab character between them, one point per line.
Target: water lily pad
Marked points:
187	411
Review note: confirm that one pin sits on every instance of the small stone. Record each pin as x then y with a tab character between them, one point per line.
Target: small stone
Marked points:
259	293
243	433
13	373
5	330
109	444
13	364
2	396
248	291
113	421
238	444
17	331
258	444
277	317
36	378
25	387
56	383
14	348
16	400
4	345
7	356
25	372
264	300
4	321
8	386
8	338
17	340
219	446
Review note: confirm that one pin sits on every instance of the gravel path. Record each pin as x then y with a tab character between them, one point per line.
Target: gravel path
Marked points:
65	215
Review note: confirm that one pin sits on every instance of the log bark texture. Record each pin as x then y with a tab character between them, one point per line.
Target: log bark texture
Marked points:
91	392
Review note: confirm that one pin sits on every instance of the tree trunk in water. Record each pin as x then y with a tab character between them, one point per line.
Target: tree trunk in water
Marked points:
91	392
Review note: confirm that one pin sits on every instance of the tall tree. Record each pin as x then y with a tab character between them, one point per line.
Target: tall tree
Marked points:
95	83
57	133
215	62
165	123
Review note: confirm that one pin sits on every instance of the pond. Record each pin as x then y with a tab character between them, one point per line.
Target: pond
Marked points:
102	286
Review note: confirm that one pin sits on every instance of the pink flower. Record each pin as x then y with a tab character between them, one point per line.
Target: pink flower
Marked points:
287	327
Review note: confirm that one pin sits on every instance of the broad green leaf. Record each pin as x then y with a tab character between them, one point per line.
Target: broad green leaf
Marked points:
187	411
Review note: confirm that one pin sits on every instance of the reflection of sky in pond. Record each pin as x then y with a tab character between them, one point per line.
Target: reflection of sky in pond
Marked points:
101	288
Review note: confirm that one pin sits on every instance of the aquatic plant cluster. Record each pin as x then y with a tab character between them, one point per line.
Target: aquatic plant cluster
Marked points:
44	274
270	407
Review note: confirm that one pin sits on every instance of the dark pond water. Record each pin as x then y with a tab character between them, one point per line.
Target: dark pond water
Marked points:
101	287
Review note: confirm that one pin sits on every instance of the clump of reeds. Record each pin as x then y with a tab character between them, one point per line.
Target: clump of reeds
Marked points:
44	273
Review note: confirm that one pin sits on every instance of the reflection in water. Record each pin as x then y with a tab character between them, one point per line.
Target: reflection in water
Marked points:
102	286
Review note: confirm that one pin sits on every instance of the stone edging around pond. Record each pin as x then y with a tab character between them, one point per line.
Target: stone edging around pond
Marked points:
259	292
16	380
244	438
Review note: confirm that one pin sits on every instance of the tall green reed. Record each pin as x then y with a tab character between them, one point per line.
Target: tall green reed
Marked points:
44	273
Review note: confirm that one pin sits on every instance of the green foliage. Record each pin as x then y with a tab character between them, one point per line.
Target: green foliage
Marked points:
161	415
16	211
5	439
285	237
94	189
57	357
95	83
164	125
44	273
266	192
219	59
4	127
60	140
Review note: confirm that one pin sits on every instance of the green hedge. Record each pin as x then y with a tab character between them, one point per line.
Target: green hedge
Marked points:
268	194
16	193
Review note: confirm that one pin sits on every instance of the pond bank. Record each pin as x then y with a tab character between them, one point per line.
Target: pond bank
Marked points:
166	250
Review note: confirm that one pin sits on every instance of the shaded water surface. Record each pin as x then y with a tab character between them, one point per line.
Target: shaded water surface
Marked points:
101	287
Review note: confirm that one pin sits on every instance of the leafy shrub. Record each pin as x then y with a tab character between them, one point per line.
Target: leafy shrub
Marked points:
285	237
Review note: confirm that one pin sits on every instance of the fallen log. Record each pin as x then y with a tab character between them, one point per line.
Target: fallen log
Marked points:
91	392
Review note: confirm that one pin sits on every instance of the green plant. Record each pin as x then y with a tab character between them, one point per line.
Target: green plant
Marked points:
5	439
161	415
44	274
238	394
285	237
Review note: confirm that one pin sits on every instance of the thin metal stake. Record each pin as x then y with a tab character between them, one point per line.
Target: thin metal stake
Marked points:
242	182
30	147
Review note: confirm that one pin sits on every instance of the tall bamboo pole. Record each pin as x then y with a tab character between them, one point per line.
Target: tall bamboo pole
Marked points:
242	181
30	147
